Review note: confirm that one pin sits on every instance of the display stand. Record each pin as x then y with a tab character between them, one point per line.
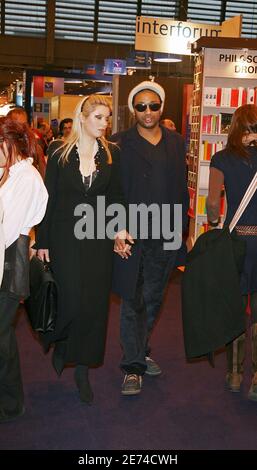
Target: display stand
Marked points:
225	77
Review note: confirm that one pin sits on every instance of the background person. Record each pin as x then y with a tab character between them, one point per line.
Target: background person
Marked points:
24	200
78	170
65	128
20	115
41	133
235	167
169	124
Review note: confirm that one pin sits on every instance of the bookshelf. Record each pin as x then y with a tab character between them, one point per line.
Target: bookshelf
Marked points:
225	77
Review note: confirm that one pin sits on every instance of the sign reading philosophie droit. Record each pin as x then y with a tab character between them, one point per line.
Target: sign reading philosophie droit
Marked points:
231	63
173	36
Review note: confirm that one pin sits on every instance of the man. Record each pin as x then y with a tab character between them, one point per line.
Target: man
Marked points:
41	135
153	171
65	128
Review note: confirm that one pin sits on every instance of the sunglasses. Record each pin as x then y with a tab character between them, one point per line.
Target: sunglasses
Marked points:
141	107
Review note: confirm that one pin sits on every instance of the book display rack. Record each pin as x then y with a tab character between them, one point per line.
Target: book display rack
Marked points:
224	79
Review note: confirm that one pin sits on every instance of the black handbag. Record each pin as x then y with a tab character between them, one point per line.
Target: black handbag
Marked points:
41	305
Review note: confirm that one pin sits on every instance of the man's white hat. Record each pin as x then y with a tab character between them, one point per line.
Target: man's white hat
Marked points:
146	85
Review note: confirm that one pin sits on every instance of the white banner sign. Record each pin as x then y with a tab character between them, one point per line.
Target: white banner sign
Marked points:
230	63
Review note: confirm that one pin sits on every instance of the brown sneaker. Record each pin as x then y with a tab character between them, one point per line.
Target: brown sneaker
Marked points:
252	395
233	381
132	384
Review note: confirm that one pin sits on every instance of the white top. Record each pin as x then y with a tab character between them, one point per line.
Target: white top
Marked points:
24	199
2	243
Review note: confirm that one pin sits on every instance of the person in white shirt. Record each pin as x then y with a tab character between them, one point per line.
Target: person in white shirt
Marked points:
2	246
24	199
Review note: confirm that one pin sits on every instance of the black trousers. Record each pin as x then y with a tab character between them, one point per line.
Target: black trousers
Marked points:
11	389
138	315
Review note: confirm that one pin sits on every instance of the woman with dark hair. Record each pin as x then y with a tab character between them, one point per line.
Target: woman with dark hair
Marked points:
24	198
20	115
79	170
234	167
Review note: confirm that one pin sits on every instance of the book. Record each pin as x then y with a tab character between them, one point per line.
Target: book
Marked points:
234	97
209	96
250	95
225	97
204	177
224	122
242	97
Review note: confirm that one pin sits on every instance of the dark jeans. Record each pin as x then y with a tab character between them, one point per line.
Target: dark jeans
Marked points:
11	390
138	315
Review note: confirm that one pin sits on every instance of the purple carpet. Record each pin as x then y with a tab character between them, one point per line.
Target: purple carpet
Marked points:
187	407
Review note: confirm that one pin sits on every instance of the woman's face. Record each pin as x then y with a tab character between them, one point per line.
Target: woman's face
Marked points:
249	139
3	151
97	121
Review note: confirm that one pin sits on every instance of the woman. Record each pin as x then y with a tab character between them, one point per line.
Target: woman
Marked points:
2	244
20	115
235	167
24	200
79	170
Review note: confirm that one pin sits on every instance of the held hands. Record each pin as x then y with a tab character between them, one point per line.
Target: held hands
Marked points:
121	247
32	252
43	255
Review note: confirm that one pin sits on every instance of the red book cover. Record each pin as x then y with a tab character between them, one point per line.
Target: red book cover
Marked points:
244	96
209	120
234	97
191	211
218	97
209	151
204	124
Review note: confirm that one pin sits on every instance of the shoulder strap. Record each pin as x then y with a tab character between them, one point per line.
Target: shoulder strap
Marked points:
244	202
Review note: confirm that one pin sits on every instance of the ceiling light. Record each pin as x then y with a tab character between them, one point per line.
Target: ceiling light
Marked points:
70	80
166	58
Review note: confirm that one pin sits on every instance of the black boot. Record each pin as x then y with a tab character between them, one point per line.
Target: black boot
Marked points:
82	381
58	357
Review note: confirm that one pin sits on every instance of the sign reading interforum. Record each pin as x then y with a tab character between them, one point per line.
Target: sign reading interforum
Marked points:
164	35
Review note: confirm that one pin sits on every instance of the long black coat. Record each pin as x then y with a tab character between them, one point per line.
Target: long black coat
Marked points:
82	268
212	308
135	169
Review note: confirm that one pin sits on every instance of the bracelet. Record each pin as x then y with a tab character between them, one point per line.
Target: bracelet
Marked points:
213	224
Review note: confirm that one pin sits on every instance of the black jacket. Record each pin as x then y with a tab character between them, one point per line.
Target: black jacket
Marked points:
82	268
212	307
135	169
